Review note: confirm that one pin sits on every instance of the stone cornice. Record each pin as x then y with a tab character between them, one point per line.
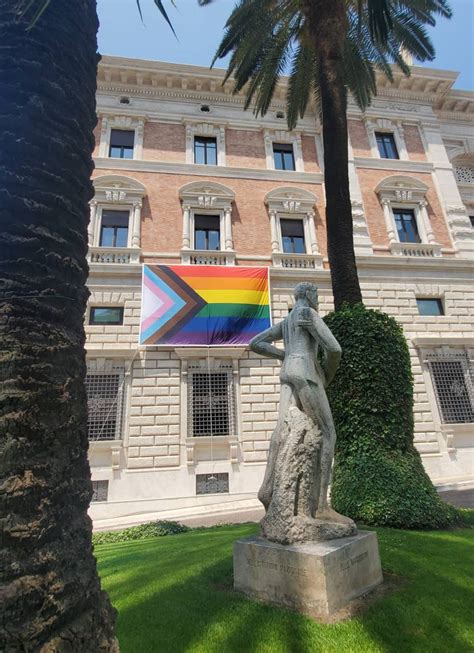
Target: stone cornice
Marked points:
131	166
119	75
396	165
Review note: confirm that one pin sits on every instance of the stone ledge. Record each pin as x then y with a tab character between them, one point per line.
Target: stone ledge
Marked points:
316	578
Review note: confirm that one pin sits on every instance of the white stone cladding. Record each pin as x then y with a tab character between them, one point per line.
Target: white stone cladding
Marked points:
151	470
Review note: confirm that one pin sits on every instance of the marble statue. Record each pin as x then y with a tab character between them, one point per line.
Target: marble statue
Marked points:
295	487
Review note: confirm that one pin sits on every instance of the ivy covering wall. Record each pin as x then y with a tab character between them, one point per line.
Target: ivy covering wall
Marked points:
378	478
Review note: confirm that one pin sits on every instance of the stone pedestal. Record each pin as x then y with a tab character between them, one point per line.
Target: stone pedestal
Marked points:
317	578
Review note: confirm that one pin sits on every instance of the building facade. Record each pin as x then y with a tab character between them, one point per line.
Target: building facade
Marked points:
184	176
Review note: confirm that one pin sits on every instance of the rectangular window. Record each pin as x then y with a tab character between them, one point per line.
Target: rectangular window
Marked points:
211	404
114	228
386	145
452	380
292	236
406	226
471	218
430	306
212	483
283	156
106	315
207	232
104	405
205	150
121	143
100	490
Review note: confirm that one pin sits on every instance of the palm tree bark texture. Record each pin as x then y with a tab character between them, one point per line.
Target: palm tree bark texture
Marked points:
51	595
328	23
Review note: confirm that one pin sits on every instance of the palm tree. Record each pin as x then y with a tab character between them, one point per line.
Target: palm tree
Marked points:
53	600
330	46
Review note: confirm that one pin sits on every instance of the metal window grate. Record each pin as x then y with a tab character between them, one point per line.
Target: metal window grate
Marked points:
100	490
211	405
212	483
104	404
453	384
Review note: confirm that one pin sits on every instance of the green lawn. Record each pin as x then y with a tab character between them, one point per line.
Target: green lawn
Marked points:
173	594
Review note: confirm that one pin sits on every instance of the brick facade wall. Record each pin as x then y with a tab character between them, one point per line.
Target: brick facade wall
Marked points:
164	142
414	144
245	149
359	138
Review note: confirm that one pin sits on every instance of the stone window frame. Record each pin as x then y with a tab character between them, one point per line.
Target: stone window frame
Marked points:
116	192
211	359
294	204
206	129
271	136
400	191
101	362
128	123
210	198
444	350
384	125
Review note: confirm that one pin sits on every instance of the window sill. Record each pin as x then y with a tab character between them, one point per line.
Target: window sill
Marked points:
207	257
207	442
120	255
297	261
105	446
419	250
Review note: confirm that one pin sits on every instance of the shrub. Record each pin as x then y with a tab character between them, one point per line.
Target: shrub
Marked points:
378	476
151	529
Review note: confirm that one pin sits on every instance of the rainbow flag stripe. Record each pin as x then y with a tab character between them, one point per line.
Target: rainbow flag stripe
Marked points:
203	305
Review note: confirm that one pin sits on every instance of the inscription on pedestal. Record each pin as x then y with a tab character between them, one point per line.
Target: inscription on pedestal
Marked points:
353	561
317	578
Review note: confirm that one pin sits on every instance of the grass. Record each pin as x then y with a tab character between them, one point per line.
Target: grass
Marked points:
173	594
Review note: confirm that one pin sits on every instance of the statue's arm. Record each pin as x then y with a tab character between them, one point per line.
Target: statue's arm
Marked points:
320	332
262	343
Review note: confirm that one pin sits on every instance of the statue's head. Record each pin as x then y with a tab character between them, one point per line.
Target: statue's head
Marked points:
308	291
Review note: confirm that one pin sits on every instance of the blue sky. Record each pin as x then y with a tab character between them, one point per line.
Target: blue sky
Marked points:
199	31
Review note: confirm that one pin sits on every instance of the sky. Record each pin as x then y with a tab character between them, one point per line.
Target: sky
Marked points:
199	31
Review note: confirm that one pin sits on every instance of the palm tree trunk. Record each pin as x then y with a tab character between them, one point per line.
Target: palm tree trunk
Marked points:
328	24
52	600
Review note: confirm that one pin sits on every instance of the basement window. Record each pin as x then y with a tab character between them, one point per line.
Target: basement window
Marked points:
212	483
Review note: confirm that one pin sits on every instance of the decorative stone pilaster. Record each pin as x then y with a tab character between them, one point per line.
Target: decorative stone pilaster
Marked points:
274	230
389	223
229	245
136	223
186	227
92	222
362	242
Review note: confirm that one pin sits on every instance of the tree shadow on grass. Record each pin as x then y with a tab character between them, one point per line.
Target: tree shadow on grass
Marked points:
431	611
174	595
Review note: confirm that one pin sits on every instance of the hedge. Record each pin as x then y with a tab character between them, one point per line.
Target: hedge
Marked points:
378	476
150	529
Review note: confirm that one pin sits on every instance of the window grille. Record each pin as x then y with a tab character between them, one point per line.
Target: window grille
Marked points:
212	483
464	174
104	404
452	378
100	490
211	403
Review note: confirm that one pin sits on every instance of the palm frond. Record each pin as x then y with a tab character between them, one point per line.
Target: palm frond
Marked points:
161	9
300	83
